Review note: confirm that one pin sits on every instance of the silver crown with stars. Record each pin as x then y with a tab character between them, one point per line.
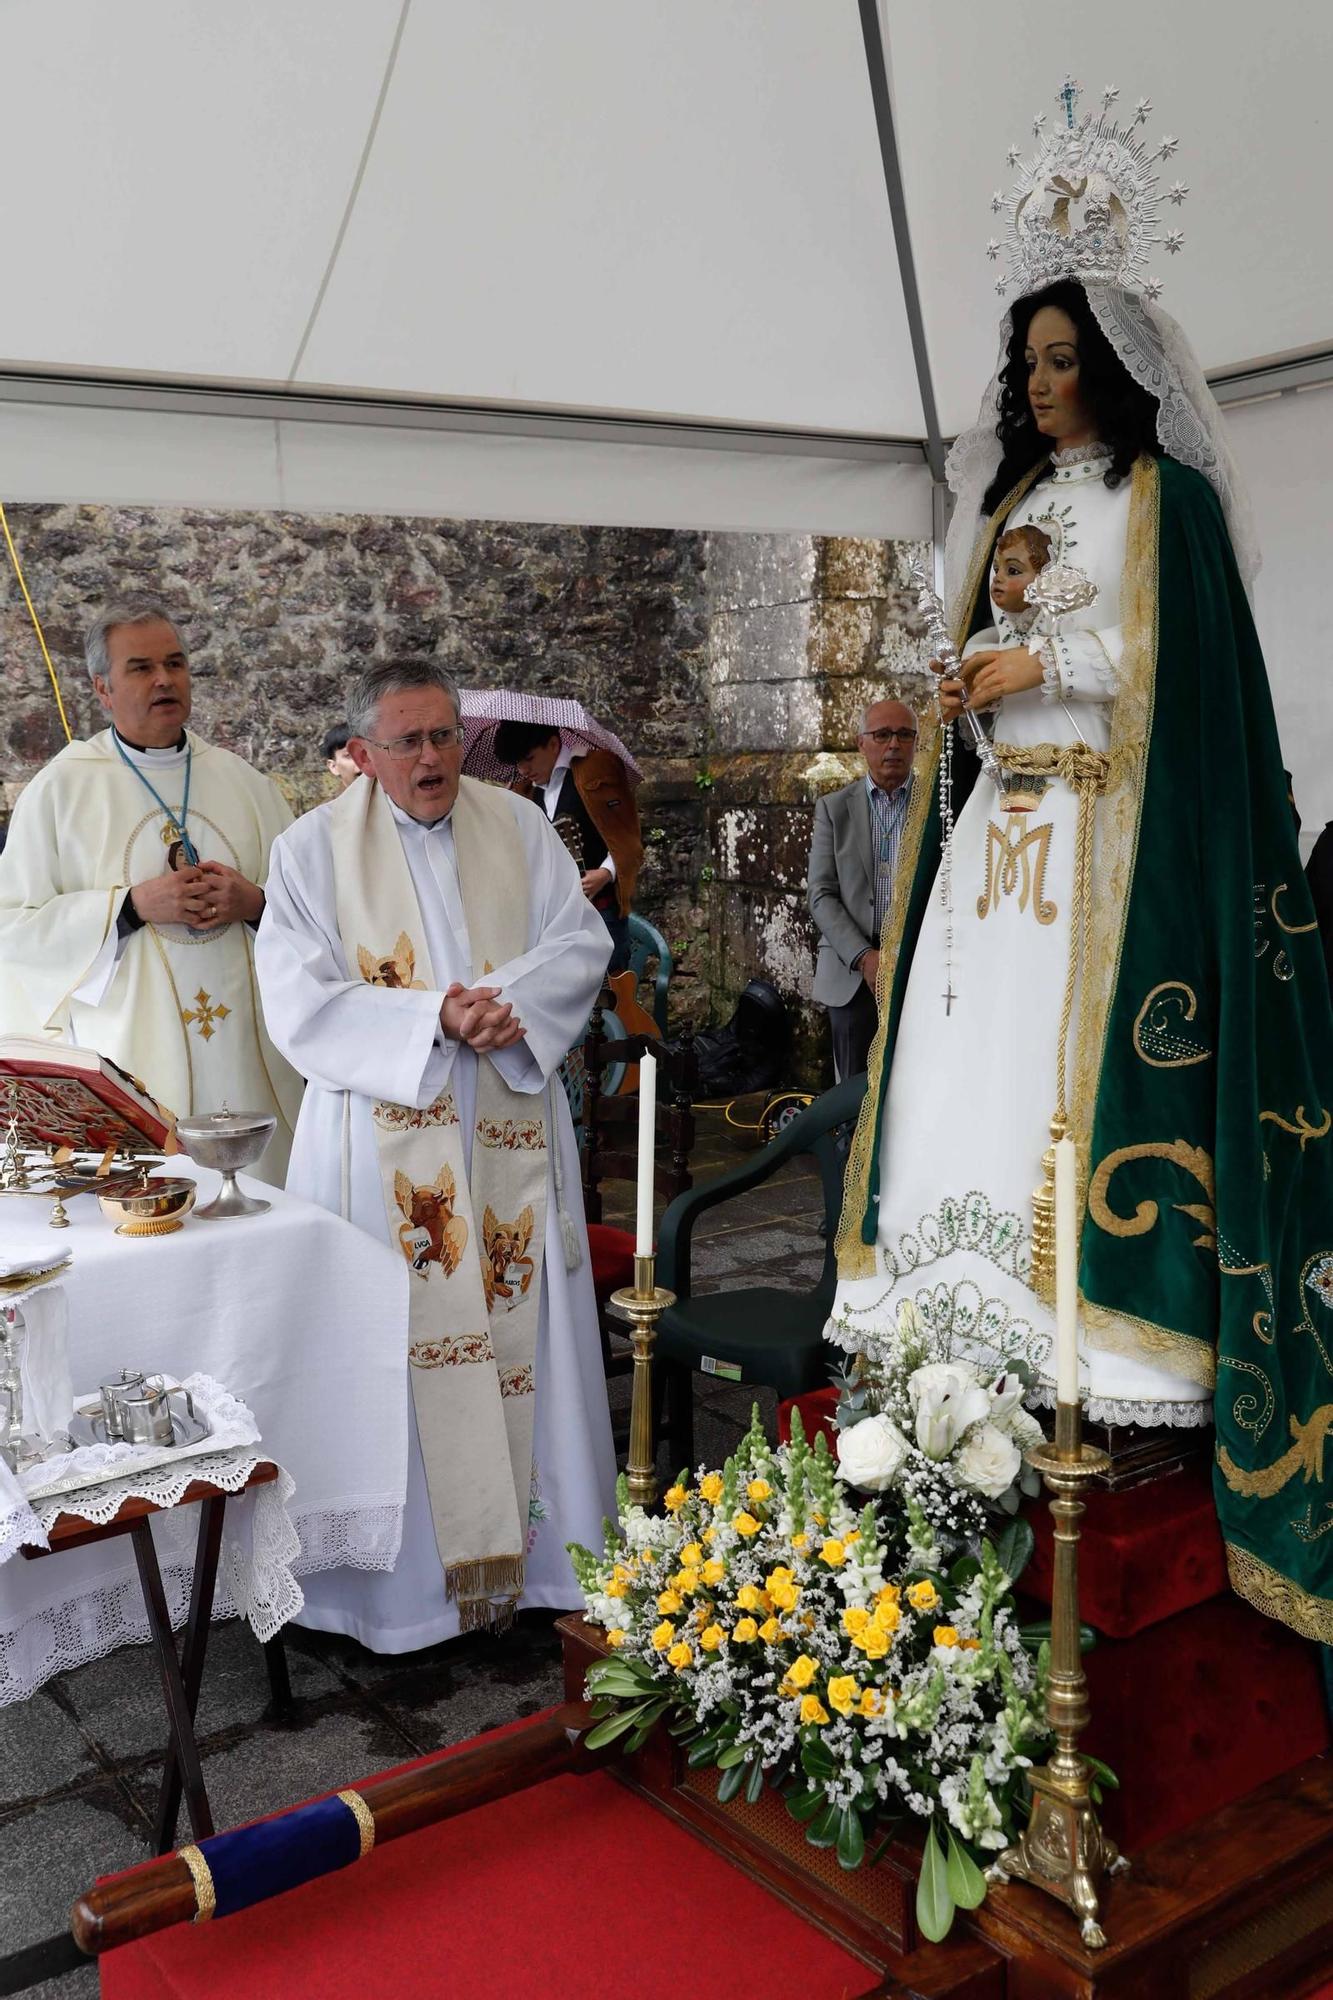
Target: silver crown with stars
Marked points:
1088	202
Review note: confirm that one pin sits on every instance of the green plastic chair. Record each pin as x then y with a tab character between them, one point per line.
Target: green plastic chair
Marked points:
646	942
756	1333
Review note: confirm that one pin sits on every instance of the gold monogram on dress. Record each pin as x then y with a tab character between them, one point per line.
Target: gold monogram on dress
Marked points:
1016	861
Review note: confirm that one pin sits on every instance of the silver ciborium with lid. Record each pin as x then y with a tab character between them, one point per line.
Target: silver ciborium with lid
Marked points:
229	1141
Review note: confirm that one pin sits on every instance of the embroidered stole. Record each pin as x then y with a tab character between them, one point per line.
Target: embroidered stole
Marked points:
475	1292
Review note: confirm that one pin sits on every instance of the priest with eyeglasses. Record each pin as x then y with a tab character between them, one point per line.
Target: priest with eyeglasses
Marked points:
427	957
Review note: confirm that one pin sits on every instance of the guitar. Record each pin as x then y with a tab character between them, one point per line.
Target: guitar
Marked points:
635	1020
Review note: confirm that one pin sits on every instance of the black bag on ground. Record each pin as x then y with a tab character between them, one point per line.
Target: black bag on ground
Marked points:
748	1053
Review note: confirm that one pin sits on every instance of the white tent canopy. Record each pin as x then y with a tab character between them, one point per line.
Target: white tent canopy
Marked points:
623	260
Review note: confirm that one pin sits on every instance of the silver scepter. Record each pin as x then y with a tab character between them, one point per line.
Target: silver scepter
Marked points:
943	649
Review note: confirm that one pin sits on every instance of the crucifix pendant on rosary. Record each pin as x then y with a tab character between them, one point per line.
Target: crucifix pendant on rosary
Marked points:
948	996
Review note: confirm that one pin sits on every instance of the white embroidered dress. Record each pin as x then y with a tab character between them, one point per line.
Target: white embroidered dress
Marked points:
972	1086
332	1028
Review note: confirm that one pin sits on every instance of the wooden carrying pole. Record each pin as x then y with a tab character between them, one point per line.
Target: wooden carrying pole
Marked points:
162	1893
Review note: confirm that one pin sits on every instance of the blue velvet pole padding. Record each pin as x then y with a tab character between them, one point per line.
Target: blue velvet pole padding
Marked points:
261	1861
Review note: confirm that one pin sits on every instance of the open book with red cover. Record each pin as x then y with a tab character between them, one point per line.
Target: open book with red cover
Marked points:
76	1098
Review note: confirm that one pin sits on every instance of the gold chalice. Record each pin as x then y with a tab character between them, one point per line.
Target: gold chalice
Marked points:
148	1206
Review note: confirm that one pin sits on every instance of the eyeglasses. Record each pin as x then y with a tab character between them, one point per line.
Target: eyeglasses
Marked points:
883	736
403	747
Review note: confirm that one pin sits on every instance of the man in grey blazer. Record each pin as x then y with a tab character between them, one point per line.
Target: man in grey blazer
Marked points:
853	861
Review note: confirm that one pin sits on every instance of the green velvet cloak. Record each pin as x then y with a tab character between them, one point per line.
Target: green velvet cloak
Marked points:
1203	1081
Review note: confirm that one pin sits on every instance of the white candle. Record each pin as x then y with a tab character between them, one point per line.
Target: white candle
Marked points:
643	1244
1066	1271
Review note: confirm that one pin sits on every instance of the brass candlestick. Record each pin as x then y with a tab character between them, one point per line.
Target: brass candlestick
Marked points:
642	1307
1063	1849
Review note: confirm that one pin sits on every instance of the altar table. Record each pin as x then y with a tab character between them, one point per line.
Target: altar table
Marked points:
302	1316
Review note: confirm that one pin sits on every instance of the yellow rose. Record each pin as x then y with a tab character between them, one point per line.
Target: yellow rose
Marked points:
970	1645
783	1589
813	1709
889	1595
680	1656
802	1670
744	1631
923	1596
686	1580
854	1619
749	1598
758	1491
843	1693
708	1537
713	1571
711	1638
779	1575
872	1702
691	1556
887	1618
615	1637
945	1635
855	1536
675	1497
874	1643
670	1600
618	1587
663	1634
711	1487
745	1524
822	1519
771	1632
833	1553
801	1541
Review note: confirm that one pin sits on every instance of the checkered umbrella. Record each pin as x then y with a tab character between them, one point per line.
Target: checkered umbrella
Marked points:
485	708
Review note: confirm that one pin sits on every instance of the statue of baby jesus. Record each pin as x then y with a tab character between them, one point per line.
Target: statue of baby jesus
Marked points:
1020	554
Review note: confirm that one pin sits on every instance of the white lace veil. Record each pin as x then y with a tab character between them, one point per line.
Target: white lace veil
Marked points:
1189	428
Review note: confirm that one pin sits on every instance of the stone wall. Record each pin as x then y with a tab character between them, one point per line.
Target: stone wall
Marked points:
734	666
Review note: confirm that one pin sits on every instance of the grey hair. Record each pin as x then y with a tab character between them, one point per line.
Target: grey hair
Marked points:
370	686
121	611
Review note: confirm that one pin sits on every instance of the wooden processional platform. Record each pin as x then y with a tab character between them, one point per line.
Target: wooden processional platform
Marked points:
1239	1906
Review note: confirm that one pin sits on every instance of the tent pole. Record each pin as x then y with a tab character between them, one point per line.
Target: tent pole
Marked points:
893	181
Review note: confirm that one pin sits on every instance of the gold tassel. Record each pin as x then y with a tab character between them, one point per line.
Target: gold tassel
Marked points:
486	1591
1042	1277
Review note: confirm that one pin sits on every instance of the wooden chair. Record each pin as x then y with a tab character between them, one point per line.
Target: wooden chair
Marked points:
756	1333
610	1152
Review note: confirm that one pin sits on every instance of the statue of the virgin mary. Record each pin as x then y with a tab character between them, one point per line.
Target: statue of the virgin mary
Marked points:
1127	945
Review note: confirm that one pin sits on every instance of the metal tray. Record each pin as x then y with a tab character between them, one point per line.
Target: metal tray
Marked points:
88	1426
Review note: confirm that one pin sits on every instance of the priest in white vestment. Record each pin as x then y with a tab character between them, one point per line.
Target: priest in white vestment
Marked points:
131	886
426	959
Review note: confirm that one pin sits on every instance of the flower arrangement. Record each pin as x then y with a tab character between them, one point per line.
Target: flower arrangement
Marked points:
789	1638
939	1431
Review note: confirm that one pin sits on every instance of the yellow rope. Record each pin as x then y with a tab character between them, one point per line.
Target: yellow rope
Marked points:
36	623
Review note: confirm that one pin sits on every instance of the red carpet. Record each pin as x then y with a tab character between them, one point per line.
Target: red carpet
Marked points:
575	1890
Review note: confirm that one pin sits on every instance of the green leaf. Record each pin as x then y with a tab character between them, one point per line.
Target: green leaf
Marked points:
1014	1548
730	1783
1103	1771
614	1725
735	1753
701	1753
851	1839
966	1883
754	1784
816	1760
934	1904
803	1805
963	1571
823	1831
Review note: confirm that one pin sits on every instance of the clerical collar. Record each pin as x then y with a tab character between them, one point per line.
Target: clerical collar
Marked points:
422	825
152	754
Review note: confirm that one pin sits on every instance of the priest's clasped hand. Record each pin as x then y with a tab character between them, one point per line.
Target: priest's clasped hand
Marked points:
477	1016
172	898
228	897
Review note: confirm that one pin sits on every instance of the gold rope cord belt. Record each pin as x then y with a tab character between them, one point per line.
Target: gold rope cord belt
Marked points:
1086	772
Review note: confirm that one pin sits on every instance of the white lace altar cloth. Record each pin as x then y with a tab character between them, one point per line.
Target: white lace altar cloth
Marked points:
46	1630
303	1316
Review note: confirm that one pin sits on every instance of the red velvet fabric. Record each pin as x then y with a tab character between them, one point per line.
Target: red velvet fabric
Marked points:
612	1254
816	1408
1197	1710
575	1888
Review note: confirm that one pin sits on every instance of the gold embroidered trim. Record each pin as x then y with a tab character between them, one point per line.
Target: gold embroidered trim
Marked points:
1195	1162
1302	1129
1305	1454
365	1820
1159	1034
205	1895
1292	930
1278	1597
1144	1340
856	1259
1004	853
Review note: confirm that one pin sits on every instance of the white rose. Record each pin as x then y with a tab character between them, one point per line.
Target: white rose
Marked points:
989	1462
1006	1393
948	1399
870	1453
